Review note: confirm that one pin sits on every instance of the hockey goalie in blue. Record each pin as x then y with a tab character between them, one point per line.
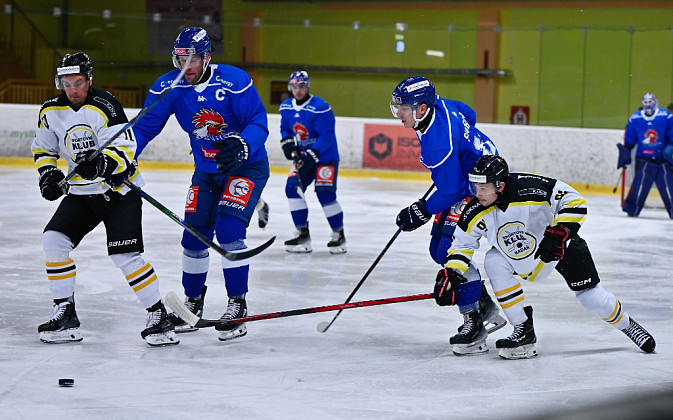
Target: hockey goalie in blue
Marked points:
221	111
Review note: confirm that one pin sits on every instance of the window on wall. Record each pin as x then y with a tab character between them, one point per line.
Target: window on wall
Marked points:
166	18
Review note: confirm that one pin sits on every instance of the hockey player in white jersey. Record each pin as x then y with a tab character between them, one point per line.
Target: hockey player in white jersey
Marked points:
72	126
450	146
309	141
532	223
219	108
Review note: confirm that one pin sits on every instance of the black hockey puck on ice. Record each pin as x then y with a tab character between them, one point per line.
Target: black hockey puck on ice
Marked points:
66	382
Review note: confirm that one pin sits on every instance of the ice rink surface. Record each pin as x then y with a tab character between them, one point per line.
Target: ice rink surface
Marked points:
390	361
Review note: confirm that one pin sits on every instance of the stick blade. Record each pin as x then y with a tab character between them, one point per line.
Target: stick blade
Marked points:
248	253
176	305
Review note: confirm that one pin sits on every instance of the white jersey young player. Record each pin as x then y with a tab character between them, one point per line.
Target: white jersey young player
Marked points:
532	222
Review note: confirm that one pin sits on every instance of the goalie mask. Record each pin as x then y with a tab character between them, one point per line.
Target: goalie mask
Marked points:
649	103
77	63
413	92
297	78
191	42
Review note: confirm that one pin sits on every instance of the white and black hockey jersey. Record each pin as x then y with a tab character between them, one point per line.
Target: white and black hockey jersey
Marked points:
65	130
515	225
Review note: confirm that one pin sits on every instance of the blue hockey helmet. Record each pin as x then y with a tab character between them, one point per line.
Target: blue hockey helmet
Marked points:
297	78
77	63
413	92
191	41
650	103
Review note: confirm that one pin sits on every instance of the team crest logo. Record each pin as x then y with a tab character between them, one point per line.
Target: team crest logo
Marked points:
514	241
650	137
208	122
80	138
300	131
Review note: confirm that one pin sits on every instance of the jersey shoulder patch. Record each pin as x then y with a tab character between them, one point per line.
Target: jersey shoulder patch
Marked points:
532	187
110	106
473	210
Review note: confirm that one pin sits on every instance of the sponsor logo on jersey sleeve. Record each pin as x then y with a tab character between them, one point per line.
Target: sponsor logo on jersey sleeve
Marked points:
324	176
192	195
514	241
237	192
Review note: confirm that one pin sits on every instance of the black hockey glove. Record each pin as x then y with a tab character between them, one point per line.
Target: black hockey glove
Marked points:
100	166
233	152
446	286
118	179
624	156
50	178
413	217
306	161
290	148
553	245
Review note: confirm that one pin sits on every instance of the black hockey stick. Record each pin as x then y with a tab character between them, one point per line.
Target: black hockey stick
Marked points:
231	256
128	124
619	180
173	302
324	326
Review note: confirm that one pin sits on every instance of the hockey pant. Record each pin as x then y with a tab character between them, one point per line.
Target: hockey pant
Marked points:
62	272
647	173
327	197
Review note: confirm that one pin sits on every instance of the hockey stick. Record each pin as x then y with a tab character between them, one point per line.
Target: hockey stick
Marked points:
324	326
231	256
619	180
173	302
128	124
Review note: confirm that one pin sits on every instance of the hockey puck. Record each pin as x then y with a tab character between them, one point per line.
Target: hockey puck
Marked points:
66	382
322	327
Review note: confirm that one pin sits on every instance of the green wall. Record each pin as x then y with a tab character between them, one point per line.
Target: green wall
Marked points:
573	67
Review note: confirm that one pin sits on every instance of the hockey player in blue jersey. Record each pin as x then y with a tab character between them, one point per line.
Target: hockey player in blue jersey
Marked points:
308	139
649	130
450	146
221	111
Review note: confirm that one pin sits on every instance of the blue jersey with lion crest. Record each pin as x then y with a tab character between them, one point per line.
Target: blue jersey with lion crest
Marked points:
225	103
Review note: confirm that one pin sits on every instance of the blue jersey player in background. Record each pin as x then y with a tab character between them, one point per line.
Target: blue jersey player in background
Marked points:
650	131
221	111
308	139
450	146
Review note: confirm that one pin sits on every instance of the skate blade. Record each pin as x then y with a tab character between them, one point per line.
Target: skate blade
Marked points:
228	335
298	249
70	335
162	339
522	352
186	328
335	250
472	349
495	323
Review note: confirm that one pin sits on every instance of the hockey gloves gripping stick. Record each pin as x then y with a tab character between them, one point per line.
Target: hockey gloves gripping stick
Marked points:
94	167
413	217
289	147
553	244
446	286
50	183
233	152
306	161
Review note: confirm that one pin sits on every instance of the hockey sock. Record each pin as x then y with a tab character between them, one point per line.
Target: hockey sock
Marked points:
195	264
231	233
140	276
61	270
297	204
604	304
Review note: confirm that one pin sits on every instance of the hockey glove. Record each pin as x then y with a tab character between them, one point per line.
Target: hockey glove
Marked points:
306	161
290	148
50	178
446	286
99	166
233	152
553	244
668	153
624	156
413	217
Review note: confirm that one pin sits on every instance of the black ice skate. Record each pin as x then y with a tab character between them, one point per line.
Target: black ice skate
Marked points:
301	243
236	308
263	215
521	344
472	338
640	336
337	245
489	312
159	331
63	327
195	306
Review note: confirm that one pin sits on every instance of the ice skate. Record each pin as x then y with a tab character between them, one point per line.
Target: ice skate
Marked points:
337	245
195	306
63	327
159	331
301	243
263	215
489	312
640	336
521	344
236	308
472	338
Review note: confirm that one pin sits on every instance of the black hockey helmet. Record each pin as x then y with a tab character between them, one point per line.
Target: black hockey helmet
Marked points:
489	168
77	63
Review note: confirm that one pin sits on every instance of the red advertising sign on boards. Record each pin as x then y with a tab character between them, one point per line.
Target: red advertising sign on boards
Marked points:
519	115
391	147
